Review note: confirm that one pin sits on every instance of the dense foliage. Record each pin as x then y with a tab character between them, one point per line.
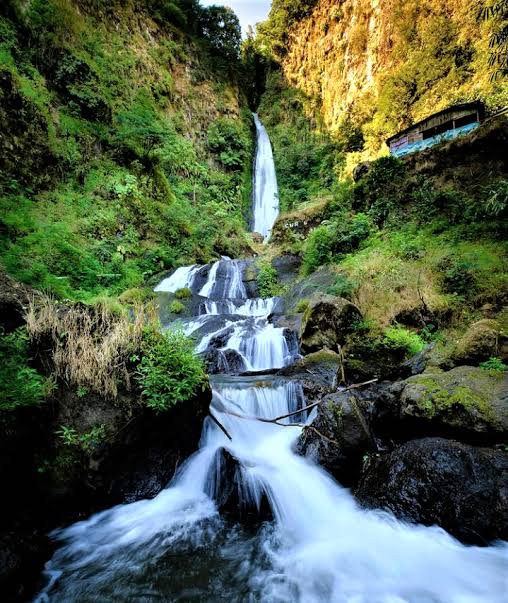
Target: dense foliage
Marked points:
20	384
170	372
105	181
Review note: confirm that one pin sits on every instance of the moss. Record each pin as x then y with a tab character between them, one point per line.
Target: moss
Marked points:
176	307
438	399
185	293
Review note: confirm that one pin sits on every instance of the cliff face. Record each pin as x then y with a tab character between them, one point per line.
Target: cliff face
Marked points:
383	64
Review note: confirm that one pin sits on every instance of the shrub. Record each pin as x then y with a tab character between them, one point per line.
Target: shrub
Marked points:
229	141
494	365
170	372
86	442
185	293
20	384
302	306
398	338
176	307
267	280
343	287
318	249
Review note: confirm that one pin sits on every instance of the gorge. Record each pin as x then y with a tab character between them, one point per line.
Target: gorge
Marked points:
246	353
320	546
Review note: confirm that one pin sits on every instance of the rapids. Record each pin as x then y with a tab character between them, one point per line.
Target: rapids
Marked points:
319	547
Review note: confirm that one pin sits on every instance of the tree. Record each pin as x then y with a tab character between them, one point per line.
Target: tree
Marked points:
221	27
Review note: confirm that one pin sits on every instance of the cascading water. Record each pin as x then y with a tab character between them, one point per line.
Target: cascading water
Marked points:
266	192
320	546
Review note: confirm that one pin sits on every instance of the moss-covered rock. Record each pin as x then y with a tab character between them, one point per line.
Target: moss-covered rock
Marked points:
326	323
468	402
483	340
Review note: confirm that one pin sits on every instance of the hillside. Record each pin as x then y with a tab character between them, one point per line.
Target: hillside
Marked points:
126	141
379	66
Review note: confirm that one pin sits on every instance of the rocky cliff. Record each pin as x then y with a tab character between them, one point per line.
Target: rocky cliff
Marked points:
381	65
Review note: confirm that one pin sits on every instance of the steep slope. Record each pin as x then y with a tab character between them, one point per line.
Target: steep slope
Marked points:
125	142
380	66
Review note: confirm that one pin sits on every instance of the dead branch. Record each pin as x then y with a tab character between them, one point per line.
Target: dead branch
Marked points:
220	426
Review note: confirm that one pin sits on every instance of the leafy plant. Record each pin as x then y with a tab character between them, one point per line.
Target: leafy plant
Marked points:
494	365
302	306
170	372
399	338
86	441
267	280
176	307
20	384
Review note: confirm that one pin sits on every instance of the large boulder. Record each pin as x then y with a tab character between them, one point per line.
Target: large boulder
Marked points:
483	340
327	322
339	436
468	403
434	481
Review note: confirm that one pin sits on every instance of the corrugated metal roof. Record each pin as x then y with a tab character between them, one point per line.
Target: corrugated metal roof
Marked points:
477	105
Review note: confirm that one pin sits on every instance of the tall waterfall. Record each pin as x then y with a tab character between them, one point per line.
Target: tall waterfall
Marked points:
320	546
266	193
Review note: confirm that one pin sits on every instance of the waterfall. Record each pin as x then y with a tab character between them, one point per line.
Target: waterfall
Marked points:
320	547
266	193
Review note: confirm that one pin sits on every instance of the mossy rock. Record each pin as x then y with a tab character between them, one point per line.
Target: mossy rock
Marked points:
327	322
469	402
483	340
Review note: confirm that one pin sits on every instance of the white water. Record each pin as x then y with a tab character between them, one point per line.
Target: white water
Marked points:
320	547
266	192
182	278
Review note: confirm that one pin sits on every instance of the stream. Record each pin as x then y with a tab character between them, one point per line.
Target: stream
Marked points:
316	546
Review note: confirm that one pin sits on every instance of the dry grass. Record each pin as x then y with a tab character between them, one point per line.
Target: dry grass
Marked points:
389	285
90	346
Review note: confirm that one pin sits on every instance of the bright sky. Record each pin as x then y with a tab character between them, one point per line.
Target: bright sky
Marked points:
249	12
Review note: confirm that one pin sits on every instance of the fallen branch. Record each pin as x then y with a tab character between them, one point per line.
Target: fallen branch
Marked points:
296	412
220	426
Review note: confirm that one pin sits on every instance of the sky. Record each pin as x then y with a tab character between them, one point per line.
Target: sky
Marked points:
249	12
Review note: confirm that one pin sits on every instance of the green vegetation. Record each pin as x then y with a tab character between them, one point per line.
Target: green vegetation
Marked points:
267	280
185	293
176	307
104	182
302	306
20	384
399	338
494	365
169	372
85	442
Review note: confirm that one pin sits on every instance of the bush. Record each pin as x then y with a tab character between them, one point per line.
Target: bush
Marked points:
267	280
398	338
343	287
20	384
184	293
318	249
494	365
302	306
169	372
229	141
176	307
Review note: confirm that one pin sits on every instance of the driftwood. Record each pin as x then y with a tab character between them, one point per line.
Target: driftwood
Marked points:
276	420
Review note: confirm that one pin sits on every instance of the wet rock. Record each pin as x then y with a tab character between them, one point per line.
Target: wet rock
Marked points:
227	487
340	436
223	361
468	403
327	322
321	368
287	267
304	289
436	481
292	322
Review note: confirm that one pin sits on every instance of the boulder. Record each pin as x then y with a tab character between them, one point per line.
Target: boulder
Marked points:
223	361
317	373
339	437
468	403
287	267
434	481
326	323
483	340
